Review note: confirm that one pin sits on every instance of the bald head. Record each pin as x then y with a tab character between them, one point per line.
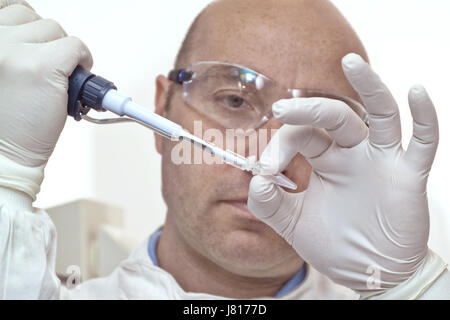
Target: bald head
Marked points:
296	42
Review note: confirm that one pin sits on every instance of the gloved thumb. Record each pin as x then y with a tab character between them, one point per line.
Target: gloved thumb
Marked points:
274	206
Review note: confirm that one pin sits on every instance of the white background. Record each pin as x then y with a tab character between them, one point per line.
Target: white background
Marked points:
408	42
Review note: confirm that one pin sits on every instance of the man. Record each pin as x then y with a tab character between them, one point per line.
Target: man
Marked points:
359	217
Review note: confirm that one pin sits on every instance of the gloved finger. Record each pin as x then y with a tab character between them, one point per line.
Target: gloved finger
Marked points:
336	117
17	14
289	140
274	206
424	142
67	53
384	117
7	3
39	31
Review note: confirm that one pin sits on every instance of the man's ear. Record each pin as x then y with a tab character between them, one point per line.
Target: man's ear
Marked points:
161	97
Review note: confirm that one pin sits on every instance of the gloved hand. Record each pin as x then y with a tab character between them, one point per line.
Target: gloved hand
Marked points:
363	221
36	59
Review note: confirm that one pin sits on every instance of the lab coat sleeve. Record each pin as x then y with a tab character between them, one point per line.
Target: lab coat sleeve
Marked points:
27	249
440	288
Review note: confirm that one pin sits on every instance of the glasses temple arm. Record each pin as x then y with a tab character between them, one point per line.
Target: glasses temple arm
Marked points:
180	75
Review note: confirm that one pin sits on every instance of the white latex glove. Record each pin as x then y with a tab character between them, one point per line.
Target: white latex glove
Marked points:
363	220
36	59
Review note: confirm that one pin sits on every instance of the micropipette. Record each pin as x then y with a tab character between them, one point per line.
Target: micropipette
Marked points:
86	91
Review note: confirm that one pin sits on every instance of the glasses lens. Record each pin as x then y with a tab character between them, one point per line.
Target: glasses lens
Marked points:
233	96
239	98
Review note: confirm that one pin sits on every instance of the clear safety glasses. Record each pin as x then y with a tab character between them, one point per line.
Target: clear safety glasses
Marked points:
237	97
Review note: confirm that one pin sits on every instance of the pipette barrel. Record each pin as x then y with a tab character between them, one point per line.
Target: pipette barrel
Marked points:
122	105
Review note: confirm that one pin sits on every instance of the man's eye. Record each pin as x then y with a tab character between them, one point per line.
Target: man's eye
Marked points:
234	101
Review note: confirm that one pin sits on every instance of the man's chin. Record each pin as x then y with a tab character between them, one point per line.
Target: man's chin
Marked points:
254	253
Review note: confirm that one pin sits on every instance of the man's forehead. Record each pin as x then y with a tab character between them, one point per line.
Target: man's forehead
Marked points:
292	45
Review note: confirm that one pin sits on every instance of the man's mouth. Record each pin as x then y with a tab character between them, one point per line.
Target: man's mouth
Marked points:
241	205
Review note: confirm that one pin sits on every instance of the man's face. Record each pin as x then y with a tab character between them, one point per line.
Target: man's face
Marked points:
207	203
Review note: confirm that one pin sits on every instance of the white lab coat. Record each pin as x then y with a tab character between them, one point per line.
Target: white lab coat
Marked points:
27	266
138	278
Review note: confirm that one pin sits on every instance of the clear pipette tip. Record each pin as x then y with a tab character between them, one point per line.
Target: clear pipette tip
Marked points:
279	178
